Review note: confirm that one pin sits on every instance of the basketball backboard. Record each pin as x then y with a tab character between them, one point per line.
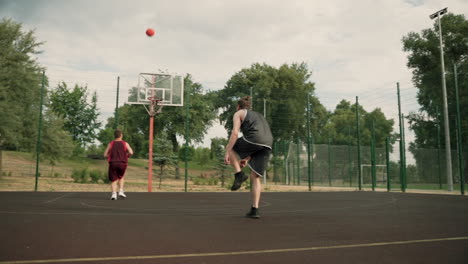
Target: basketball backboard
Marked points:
168	89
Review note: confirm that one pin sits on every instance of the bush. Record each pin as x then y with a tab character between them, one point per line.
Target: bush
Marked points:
95	176
105	178
80	176
205	181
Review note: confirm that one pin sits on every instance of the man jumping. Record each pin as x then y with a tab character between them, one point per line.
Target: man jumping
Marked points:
253	149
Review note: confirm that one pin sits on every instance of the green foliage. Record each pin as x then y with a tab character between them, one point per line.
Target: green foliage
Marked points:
217	147
217	154
20	83
285	90
89	176
202	156
341	128
170	123
106	135
80	175
190	153
95	176
424	60
56	142
81	116
204	180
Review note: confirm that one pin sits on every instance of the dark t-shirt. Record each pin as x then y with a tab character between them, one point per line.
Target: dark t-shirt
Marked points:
256	130
118	151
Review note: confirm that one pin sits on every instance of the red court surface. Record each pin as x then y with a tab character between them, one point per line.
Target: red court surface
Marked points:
332	227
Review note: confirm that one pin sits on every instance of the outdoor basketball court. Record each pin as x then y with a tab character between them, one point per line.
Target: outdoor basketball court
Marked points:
316	227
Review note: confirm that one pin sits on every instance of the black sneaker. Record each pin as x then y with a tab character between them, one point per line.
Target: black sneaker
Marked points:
239	178
253	213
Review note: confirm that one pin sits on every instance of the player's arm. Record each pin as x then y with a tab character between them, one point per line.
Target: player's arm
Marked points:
129	149
236	120
106	152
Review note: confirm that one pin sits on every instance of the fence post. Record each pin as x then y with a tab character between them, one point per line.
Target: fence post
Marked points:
285	162
116	125
329	161
387	157
298	160
309	174
373	170
459	134
405	176
187	137
402	163
358	144
349	158
39	132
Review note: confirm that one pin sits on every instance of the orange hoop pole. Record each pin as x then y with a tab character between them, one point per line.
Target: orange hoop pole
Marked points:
150	151
150	155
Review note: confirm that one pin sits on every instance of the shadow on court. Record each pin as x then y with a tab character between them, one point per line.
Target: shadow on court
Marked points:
333	227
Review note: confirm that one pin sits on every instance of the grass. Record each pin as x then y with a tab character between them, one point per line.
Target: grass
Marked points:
18	174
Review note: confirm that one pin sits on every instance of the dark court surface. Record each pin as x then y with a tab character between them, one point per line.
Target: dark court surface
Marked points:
315	227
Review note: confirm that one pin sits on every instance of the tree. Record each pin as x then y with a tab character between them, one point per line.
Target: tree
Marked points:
190	153
202	113
20	83
163	156
57	143
20	90
171	121
217	147
424	60
217	154
80	115
341	126
283	90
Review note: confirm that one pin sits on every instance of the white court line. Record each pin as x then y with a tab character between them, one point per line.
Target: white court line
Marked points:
252	252
58	198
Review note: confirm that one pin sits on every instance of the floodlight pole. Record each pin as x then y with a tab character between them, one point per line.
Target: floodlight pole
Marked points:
448	153
116	125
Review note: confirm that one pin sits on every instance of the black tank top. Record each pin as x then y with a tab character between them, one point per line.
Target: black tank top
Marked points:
256	130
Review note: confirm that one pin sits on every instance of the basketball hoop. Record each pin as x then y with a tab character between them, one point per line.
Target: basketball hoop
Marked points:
154	100
153	91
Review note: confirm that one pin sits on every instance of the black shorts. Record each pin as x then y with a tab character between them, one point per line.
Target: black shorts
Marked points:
259	155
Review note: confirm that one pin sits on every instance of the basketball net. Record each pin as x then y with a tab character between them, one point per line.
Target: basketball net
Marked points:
153	105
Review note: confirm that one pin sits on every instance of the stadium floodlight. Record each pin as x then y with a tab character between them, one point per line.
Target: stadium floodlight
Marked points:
448	154
438	13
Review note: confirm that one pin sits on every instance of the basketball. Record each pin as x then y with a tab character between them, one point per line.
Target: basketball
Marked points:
150	32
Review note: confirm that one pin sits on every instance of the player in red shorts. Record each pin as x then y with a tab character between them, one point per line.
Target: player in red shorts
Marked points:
117	153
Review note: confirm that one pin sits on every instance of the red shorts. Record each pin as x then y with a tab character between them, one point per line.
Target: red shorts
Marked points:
117	170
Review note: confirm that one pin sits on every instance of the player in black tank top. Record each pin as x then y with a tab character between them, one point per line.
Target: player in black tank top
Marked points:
253	150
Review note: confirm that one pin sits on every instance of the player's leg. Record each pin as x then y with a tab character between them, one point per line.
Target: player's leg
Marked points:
114	186
123	168
121	187
255	191
233	158
112	174
240	150
239	176
258	164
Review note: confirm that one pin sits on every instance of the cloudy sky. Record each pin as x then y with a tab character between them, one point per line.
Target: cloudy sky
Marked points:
353	48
